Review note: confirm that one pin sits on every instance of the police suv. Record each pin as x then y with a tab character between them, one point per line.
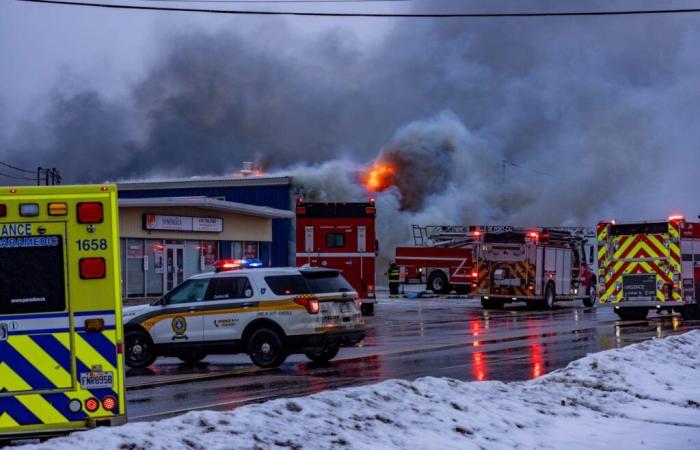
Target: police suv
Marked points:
267	313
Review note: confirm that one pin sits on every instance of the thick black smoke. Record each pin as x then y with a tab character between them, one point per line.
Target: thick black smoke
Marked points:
520	120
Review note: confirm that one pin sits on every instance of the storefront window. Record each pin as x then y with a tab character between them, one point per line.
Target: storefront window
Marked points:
154	267
250	250
134	274
192	261
237	250
209	254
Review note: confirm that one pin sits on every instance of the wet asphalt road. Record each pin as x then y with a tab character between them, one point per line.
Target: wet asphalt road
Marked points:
407	339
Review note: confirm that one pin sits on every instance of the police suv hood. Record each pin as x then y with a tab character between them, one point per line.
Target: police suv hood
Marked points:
129	312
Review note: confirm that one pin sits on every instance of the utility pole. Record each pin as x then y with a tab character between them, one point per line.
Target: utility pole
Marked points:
50	176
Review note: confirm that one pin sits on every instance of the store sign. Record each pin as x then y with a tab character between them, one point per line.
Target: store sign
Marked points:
183	223
207	224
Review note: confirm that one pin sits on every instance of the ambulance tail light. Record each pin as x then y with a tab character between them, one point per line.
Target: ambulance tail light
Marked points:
92	268
90	212
369	210
301	210
92	404
370	290
3	210
120	348
310	303
109	403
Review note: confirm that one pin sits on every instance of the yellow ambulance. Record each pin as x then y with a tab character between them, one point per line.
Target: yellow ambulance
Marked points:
61	340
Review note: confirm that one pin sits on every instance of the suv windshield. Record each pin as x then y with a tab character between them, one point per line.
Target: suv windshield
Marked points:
189	291
312	282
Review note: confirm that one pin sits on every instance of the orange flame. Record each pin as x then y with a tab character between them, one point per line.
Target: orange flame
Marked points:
378	177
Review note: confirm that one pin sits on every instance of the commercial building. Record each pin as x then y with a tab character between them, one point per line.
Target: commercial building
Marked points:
173	229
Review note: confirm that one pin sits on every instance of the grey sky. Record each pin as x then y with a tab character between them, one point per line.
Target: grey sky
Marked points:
609	105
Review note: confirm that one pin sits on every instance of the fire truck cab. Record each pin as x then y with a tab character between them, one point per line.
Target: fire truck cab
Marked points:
340	236
650	265
534	265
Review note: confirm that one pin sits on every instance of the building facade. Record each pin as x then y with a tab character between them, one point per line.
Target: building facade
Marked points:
165	240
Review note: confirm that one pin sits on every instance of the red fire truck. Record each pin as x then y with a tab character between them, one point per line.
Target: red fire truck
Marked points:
441	259
340	236
536	265
650	265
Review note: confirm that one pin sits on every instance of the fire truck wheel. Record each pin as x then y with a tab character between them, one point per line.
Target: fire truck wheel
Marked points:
265	349
437	282
589	300
492	303
325	355
367	309
632	313
549	297
140	351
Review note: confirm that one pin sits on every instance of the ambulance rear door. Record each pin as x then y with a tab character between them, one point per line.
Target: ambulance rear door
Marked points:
35	346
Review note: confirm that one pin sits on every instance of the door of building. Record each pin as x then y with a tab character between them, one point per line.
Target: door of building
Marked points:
174	265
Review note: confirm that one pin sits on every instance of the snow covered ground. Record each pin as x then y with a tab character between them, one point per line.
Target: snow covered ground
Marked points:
644	396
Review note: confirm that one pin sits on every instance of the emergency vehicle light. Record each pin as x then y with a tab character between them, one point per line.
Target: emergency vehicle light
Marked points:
370	210
94	325
58	209
676	217
3	210
301	210
92	404
223	265
109	403
90	212
92	268
29	209
310	303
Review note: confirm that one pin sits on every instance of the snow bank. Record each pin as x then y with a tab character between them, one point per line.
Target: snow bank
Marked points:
642	396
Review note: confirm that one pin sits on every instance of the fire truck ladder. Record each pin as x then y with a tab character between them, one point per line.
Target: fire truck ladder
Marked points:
441	235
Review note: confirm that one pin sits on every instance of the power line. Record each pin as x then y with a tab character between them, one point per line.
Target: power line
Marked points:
631	12
16	168
15	177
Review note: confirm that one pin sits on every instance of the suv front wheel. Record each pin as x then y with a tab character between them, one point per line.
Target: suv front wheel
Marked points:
140	351
265	349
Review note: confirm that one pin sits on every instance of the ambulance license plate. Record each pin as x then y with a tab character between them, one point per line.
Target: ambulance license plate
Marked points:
3	331
96	380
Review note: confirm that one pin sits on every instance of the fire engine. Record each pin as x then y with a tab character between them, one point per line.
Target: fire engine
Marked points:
536	265
340	236
441	258
649	265
61	339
